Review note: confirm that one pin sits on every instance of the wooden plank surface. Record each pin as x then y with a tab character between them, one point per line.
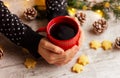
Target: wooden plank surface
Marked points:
103	64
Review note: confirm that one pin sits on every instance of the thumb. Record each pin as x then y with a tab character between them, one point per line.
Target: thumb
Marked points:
51	47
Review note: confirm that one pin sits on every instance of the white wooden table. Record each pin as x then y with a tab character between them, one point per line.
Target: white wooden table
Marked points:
103	64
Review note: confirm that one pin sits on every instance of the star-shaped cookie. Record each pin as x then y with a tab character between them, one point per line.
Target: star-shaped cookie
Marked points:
30	63
77	68
107	45
95	44
83	59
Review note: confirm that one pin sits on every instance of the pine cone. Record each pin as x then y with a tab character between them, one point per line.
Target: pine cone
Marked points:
117	42
81	17
1	53
30	13
100	26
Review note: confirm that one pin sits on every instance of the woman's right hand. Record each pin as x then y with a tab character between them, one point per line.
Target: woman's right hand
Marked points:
54	54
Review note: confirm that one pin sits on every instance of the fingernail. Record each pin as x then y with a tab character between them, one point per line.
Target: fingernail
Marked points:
61	51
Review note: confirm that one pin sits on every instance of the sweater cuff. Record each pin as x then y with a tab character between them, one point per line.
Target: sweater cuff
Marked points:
30	41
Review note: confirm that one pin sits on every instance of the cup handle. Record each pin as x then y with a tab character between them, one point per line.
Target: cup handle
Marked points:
42	29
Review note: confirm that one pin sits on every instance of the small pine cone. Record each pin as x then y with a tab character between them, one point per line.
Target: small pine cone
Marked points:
81	17
117	42
1	53
30	14
100	26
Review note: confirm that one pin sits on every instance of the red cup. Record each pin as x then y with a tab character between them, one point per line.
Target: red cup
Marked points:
65	44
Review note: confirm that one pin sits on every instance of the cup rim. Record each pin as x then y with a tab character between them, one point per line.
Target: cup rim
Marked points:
61	17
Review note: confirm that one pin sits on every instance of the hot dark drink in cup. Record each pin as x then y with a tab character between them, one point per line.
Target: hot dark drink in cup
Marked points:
63	31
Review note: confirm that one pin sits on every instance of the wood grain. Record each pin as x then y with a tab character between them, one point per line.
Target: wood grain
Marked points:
103	64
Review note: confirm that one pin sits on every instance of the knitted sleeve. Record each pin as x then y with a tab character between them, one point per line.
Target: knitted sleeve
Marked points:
18	32
56	8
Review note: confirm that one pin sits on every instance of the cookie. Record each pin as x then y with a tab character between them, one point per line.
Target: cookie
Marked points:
95	44
77	68
30	63
107	45
83	59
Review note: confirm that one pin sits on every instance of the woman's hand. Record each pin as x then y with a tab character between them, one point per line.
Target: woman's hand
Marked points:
68	55
54	54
